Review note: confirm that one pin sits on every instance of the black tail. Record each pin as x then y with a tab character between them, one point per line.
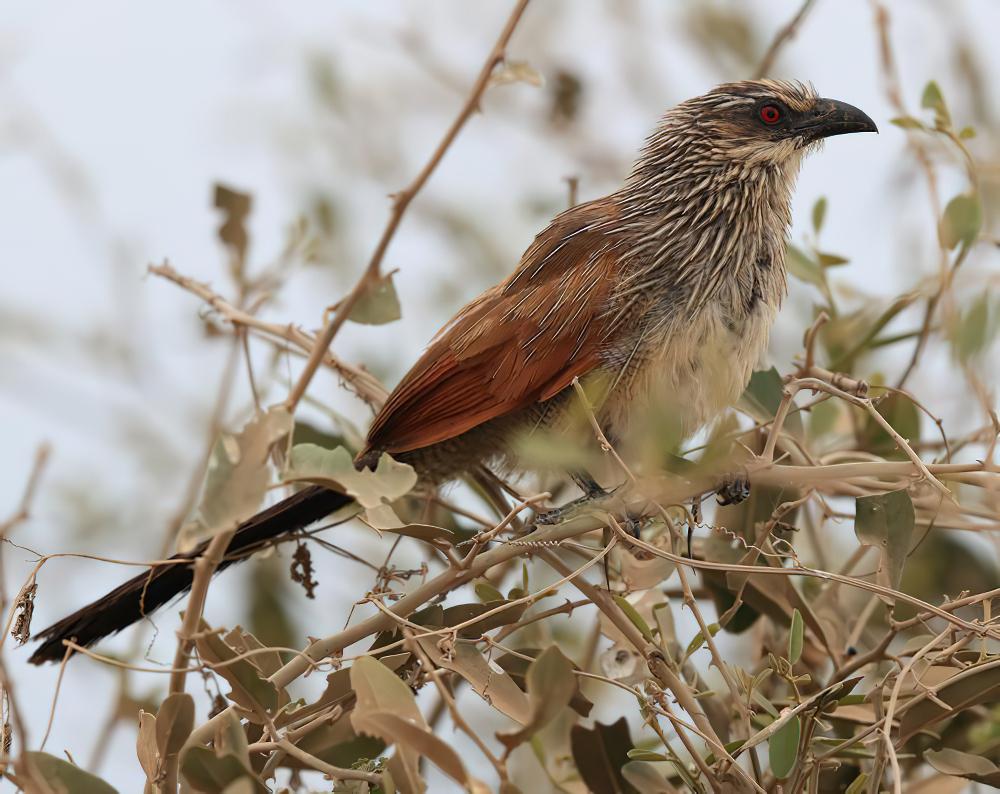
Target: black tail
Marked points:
148	591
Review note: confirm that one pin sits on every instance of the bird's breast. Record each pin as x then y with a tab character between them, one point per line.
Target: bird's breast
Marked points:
688	370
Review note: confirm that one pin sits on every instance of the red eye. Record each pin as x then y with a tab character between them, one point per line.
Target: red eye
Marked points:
770	114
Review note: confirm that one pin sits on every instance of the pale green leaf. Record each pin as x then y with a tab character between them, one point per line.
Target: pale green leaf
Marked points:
819	214
378	304
64	776
886	522
962	220
335	468
795	637
783	748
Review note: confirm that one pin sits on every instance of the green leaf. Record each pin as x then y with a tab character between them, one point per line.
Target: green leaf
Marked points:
378	304
699	639
211	774
886	522
908	123
64	776
645	778
762	397
783	748
635	617
486	592
819	214
967	132
962	220
803	267
859	784
795	637
551	684
932	99
975	328
903	417
832	260
645	755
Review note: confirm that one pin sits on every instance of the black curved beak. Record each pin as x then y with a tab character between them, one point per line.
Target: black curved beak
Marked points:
832	117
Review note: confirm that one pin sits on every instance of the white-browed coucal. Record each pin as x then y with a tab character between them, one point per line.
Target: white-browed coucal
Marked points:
664	290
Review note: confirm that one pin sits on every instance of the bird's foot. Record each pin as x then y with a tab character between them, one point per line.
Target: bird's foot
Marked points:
558	514
733	489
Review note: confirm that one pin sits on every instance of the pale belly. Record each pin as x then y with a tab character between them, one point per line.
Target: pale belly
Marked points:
690	374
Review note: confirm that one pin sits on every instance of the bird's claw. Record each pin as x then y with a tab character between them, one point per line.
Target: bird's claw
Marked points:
558	514
733	489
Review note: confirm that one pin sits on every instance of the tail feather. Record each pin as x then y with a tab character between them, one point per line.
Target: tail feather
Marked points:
143	594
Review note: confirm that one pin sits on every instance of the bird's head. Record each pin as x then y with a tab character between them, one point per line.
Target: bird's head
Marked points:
768	121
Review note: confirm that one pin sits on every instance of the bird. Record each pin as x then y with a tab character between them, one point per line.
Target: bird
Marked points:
664	290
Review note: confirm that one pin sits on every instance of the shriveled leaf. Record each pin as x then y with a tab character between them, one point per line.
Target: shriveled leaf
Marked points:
962	220
972	767
250	688
64	776
335	468
886	522
600	753
551	684
795	637
859	784
516	72
646	779
378	304
819	214
145	745
235	208
640	570
174	723
783	748
211	774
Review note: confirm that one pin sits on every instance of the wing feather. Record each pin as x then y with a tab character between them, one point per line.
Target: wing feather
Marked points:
519	343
